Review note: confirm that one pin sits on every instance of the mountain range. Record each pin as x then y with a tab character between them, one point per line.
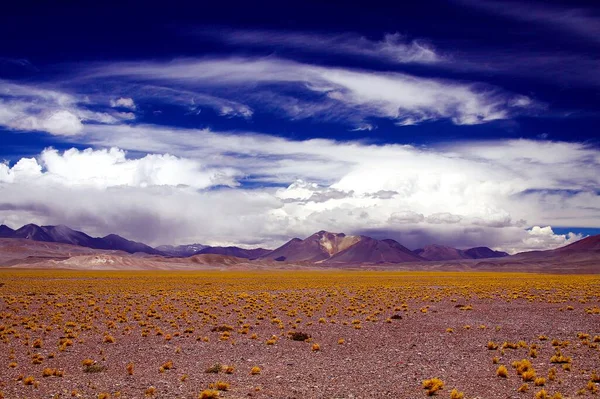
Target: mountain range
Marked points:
441	252
321	247
61	247
65	235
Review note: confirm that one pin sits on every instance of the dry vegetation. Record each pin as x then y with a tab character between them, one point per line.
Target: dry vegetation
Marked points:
292	334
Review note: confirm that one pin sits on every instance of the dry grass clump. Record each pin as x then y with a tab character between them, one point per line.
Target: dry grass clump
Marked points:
522	366
50	372
529	375
168	365
502	371
433	385
539	382
28	380
559	358
455	394
215	368
129	369
316	347
222	386
255	370
109	339
542	395
223	328
228	369
209	394
523	388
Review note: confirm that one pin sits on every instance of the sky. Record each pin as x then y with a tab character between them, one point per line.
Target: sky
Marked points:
463	123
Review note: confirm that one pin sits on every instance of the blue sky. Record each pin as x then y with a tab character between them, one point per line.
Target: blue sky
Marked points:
462	122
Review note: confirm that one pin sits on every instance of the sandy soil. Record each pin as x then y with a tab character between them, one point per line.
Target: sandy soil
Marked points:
385	358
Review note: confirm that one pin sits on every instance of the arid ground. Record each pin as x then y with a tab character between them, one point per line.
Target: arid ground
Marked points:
239	334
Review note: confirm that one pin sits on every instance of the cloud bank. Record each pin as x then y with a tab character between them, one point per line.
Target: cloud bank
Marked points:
221	188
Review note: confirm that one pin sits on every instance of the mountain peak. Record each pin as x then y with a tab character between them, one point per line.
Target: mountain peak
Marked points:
5	231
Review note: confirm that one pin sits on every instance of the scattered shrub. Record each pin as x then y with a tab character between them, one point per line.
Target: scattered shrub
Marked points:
502	372
433	385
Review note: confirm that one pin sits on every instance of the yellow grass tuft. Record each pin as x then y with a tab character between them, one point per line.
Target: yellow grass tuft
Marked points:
433	385
222	385
502	371
209	394
523	388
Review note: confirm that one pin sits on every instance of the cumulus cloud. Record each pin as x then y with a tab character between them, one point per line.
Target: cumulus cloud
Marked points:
111	167
331	93
444	217
543	238
406	217
464	195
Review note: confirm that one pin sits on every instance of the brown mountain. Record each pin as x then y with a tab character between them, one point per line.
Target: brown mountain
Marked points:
588	244
582	250
65	235
484	253
370	250
329	248
235	252
316	248
6	232
180	250
441	252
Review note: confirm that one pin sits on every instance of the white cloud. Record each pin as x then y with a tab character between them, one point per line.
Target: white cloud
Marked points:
123	102
393	47
28	108
330	93
54	121
444	217
463	195
543	238
406	217
111	168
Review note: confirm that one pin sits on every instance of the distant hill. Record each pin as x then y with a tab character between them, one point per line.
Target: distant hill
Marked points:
582	250
181	250
370	250
65	235
235	252
441	252
322	248
484	253
326	247
318	247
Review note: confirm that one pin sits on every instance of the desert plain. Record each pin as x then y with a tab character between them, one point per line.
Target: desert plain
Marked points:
298	334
